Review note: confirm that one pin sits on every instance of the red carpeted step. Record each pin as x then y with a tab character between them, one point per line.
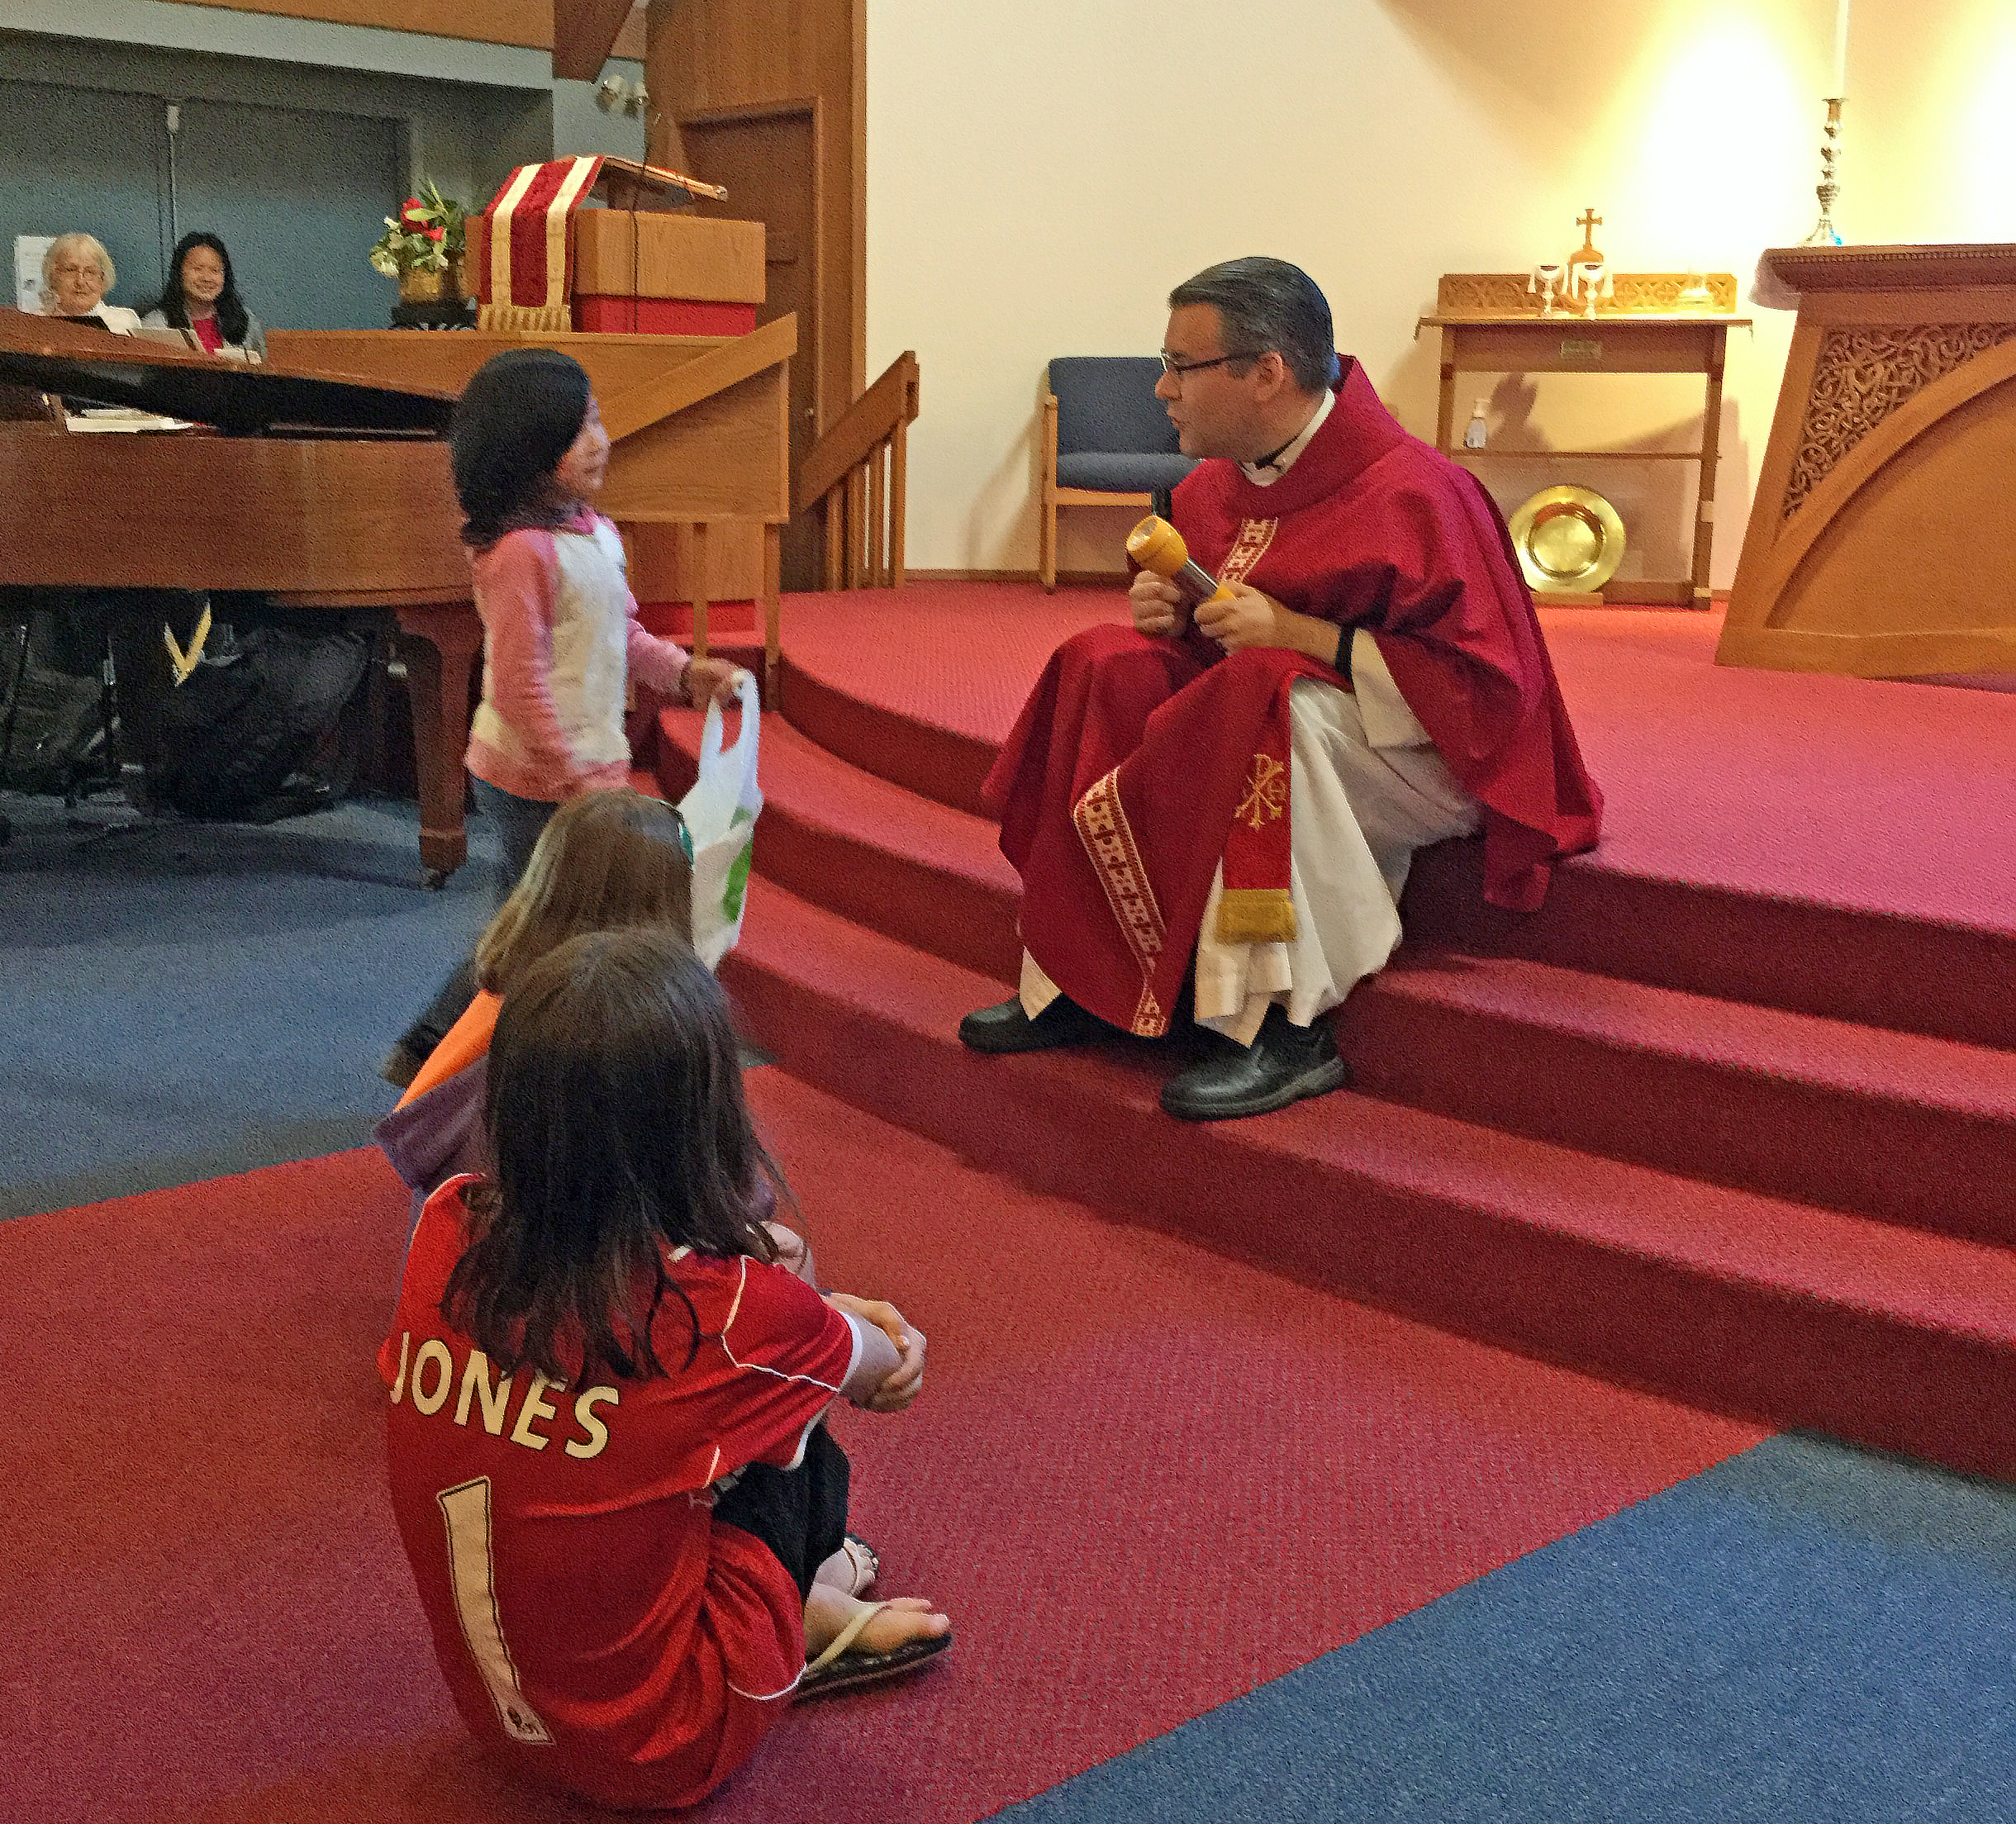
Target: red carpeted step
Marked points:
919	685
1916	1130
1831	846
908	750
915	870
1885	1334
1940	977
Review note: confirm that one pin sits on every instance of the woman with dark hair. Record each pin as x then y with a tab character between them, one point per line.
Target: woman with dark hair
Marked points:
202	297
609	1464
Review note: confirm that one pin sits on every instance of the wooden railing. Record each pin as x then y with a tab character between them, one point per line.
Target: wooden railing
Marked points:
857	476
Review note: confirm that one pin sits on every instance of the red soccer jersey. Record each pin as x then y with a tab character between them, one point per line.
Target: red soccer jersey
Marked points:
592	1623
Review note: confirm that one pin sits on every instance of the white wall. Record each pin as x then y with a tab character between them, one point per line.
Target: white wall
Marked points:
1039	175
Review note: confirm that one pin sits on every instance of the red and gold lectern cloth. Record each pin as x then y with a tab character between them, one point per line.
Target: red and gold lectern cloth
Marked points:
525	280
1138	765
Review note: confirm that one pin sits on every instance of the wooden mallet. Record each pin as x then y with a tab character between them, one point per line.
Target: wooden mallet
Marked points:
1157	545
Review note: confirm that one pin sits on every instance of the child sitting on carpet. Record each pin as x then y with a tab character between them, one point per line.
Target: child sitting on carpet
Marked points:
607	860
561	636
630	1538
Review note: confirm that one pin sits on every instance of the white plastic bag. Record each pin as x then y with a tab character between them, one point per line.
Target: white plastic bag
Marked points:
720	818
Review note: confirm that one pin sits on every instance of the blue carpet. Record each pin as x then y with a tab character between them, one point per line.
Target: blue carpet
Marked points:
1805	1632
185	1000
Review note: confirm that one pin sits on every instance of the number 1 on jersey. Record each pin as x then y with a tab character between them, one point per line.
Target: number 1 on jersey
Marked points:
465	1509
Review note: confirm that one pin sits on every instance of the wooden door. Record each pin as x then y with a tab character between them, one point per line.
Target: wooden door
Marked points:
767	156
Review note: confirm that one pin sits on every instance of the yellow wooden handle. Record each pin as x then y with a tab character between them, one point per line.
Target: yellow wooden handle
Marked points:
1157	545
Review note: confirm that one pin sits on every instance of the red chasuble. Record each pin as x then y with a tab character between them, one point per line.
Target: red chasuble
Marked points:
1118	789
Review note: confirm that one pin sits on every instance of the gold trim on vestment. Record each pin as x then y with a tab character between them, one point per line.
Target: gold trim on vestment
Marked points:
1255	915
1247	549
1102	824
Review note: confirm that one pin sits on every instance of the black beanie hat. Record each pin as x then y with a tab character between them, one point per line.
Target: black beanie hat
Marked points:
513	423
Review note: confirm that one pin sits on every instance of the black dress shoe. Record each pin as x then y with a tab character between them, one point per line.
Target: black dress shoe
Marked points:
1006	1027
1283	1064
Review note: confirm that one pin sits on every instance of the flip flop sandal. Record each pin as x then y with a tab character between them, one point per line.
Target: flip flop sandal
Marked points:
838	1670
866	1563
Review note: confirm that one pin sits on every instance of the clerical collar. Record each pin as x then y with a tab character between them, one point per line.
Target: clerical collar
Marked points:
1265	474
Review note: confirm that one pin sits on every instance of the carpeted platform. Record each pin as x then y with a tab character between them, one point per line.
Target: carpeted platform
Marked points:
1184	1478
1800	1633
1889	797
187	999
1731	1116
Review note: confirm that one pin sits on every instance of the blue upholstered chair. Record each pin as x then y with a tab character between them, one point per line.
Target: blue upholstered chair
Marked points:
1106	441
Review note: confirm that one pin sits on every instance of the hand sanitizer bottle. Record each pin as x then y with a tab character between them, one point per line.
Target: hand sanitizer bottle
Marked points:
1477	432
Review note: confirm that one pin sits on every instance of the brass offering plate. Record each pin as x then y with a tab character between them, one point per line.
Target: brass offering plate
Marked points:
1568	538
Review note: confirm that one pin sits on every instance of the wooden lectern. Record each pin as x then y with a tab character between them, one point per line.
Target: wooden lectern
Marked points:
1881	542
645	264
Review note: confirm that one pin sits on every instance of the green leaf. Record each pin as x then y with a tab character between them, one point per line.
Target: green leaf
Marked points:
732	893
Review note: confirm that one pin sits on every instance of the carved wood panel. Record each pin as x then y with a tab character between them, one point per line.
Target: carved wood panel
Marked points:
1504	294
1862	376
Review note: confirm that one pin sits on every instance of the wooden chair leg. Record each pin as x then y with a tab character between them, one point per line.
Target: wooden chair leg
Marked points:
1046	512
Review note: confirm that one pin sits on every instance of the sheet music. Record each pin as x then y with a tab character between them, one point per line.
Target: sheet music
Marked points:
96	418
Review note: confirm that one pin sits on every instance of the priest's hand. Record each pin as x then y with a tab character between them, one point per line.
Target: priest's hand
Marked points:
1158	606
1243	617
1251	618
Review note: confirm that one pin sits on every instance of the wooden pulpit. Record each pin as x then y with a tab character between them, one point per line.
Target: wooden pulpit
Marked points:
1881	542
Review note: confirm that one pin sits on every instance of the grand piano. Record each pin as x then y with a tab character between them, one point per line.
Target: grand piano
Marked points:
319	489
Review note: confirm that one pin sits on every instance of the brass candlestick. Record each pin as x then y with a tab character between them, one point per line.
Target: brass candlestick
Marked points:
1824	233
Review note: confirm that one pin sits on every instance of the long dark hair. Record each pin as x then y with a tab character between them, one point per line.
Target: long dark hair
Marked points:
232	318
616	1121
511	426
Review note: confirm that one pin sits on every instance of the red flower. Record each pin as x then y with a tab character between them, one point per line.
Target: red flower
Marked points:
437	234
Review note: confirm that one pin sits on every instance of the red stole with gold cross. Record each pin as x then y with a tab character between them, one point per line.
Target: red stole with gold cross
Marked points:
1120	790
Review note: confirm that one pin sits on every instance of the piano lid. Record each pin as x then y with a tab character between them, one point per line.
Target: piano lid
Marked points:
84	361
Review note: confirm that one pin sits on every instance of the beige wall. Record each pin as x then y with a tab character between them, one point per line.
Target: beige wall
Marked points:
1039	175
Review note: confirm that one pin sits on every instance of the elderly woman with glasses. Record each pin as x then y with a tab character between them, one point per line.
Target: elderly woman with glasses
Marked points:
76	273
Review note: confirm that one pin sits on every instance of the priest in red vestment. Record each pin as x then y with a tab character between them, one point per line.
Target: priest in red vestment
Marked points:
1233	793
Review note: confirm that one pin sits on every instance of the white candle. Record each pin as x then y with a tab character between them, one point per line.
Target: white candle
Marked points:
1841	48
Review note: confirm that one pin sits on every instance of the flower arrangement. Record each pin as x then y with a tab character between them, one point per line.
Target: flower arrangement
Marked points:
426	236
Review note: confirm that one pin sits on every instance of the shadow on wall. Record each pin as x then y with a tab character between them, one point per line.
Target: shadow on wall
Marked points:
1511	61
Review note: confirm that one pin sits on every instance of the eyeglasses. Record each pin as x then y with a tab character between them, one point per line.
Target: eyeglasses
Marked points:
71	269
1177	369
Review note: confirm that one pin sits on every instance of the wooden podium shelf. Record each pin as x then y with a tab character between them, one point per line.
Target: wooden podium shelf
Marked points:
1490	324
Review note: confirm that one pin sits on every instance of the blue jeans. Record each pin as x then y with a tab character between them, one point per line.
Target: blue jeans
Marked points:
519	822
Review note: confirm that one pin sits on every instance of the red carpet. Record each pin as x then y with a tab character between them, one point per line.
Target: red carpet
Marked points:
1746	1076
1143	1479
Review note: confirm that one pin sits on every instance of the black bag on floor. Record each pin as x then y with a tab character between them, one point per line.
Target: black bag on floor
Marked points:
56	722
241	737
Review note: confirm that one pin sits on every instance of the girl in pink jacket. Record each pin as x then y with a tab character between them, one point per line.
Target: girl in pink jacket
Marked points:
561	636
